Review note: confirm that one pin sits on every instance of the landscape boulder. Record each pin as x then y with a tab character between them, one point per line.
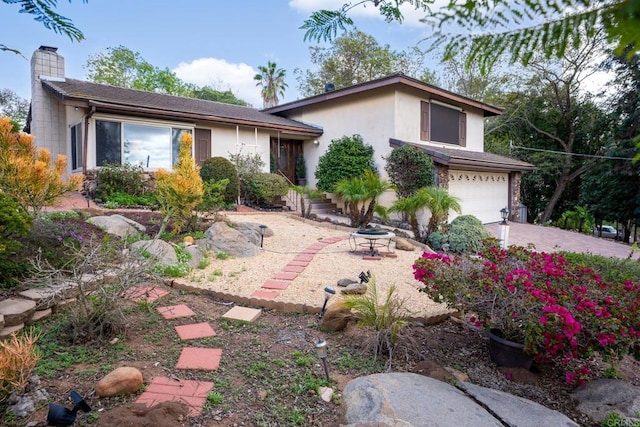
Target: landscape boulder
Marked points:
17	311
355	289
336	317
158	249
601	397
117	224
222	238
197	255
253	231
124	380
404	245
346	282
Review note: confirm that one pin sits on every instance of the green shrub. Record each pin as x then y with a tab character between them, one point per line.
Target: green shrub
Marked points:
345	158
121	198
437	240
15	222
113	178
219	168
610	269
409	169
264	187
466	233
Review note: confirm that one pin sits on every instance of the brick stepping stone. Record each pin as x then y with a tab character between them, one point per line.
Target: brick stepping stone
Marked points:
244	314
195	330
265	294
275	284
149	294
283	275
17	311
289	268
175	311
191	393
206	359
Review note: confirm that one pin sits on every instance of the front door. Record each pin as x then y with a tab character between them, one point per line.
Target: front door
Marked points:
202	145
284	153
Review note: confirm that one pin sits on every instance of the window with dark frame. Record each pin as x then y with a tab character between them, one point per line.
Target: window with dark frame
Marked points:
439	123
77	151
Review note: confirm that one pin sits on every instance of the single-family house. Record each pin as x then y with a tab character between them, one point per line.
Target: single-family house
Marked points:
94	124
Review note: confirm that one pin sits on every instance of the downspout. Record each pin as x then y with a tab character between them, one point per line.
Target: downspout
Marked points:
85	143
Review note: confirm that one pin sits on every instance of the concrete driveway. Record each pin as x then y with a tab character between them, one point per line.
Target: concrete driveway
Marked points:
551	239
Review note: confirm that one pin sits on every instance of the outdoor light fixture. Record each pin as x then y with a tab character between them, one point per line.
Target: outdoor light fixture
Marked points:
364	277
60	416
262	228
504	213
328	293
321	350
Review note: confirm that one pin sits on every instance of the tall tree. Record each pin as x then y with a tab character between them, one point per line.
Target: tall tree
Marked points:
14	107
44	12
271	79
120	66
520	29
355	58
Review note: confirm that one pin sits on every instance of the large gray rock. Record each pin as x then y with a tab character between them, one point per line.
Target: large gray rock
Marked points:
17	311
197	255
406	399
252	231
158	249
600	397
222	238
516	411
117	224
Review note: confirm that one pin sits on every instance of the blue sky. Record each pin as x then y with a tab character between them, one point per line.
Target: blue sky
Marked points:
216	42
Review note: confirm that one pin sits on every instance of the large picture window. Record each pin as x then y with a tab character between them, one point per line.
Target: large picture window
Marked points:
149	146
442	124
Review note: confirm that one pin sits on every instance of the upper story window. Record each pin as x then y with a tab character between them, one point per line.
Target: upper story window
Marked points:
151	146
442	124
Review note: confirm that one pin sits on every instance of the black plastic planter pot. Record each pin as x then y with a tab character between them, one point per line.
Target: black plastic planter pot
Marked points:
507	353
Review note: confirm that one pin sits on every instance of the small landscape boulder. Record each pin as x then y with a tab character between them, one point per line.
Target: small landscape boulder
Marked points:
158	249
336	317
125	380
117	224
355	289
222	238
252	231
17	311
346	282
197	255
600	397
404	245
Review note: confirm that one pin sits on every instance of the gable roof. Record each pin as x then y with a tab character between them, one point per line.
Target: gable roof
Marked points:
150	104
473	160
398	79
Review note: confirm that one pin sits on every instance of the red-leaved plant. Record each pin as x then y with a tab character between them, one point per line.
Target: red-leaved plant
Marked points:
562	312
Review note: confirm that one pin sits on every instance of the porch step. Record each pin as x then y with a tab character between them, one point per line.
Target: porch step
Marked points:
323	206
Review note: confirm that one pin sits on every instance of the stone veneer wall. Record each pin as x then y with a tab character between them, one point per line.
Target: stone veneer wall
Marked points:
442	178
515	183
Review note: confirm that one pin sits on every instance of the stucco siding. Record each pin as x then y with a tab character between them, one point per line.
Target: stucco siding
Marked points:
225	140
483	194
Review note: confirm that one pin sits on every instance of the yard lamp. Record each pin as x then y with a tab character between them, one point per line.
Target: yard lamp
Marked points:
503	228
321	350
262	228
504	213
328	293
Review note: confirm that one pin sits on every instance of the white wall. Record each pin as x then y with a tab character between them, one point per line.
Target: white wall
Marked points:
232	139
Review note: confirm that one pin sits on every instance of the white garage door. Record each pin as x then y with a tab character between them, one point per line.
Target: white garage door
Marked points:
483	194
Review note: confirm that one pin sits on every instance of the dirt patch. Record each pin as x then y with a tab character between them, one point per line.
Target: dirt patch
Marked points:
165	414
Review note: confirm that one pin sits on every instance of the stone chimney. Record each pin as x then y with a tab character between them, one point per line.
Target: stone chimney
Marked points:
48	121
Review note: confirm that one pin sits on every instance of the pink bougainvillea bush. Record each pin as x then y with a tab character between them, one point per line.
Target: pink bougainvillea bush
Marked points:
562	312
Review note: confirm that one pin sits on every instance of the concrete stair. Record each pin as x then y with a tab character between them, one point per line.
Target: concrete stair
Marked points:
324	206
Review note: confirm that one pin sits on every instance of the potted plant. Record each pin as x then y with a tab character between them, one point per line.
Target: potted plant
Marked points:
301	170
558	311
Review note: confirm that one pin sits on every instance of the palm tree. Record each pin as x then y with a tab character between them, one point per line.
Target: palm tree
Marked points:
273	85
439	202
436	199
360	194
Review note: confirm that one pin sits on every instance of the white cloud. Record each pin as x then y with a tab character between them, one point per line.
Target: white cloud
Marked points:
222	75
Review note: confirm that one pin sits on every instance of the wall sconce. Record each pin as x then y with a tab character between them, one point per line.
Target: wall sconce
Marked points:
321	351
316	142
262	228
328	293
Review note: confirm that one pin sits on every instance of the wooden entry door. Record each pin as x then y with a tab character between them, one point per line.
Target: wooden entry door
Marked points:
285	152
202	145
